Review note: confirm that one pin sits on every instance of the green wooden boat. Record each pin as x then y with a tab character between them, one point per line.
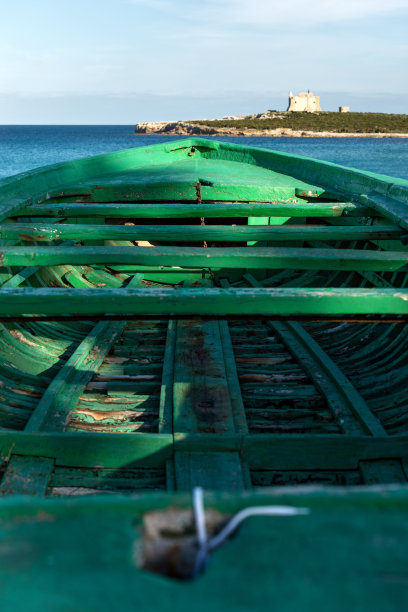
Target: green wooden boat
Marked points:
190	331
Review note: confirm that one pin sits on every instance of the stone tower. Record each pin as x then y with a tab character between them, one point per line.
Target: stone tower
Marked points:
304	102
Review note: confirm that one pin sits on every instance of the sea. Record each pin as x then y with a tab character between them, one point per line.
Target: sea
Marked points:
24	147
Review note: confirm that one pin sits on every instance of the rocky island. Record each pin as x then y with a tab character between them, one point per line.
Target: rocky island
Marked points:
288	123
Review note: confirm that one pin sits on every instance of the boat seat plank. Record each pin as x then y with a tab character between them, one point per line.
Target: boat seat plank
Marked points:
234	257
169	210
212	301
261	451
196	233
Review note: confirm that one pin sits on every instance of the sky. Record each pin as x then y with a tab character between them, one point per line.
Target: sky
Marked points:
125	61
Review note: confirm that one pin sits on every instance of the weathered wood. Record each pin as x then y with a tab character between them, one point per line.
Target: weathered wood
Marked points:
382	471
27	476
17	279
234	257
347	405
266	451
90	449
210	470
193	209
41	232
202	404
389	207
166	391
238	410
13	206
54	408
201	395
210	301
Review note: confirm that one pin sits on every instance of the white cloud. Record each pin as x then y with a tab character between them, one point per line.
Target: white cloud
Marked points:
300	12
269	13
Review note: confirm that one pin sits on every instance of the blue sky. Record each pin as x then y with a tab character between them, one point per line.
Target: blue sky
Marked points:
122	61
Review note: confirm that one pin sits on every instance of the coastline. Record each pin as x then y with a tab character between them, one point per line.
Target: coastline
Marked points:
184	128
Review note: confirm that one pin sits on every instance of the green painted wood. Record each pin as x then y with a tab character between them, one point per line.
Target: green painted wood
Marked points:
271	168
232	374
54	409
200	389
17	279
234	257
40	232
188	209
22	275
211	470
55	406
345	402
262	451
79	449
202	404
259	221
382	471
327	452
237	404
387	206
26	476
209	301
294	562
166	391
128	480
12	206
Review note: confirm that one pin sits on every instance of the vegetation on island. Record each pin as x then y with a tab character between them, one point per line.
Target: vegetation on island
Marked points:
363	123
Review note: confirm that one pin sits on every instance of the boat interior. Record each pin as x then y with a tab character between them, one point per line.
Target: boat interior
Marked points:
198	313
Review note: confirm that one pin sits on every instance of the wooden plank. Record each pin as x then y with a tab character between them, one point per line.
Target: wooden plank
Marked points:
389	207
382	471
238	410
202	404
345	402
232	374
54	408
166	391
13	206
228	257
210	301
262	451
194	209
22	275
27	476
329	452
210	470
200	390
17	279
90	449
40	232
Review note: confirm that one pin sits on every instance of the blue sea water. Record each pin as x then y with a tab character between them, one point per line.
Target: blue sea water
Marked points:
23	147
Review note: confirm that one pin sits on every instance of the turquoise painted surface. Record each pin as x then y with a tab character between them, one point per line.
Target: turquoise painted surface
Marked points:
349	553
26	147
